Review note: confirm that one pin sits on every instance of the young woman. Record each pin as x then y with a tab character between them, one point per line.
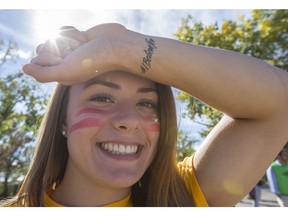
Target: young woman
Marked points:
109	135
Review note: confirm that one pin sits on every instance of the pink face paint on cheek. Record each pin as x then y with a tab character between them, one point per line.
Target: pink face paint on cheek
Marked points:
92	111
154	128
153	124
86	123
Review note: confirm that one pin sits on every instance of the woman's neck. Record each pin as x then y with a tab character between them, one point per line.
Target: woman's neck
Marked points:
74	192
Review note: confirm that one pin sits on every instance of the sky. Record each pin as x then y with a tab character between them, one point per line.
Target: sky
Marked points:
29	26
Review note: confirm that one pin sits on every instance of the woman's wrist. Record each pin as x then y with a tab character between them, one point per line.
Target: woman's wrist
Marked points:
138	52
124	49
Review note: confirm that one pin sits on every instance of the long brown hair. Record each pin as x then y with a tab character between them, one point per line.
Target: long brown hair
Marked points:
161	185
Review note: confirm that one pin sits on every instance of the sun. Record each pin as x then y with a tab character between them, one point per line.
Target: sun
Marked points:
48	22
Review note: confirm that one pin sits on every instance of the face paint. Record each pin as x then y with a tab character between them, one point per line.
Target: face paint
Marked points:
92	111
86	123
95	122
154	126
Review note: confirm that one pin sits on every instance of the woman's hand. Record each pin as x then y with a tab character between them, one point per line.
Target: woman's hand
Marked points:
77	56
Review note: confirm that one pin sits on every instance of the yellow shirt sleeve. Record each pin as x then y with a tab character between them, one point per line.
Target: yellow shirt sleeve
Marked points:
186	169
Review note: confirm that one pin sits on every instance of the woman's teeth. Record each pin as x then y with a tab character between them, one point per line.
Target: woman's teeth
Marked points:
119	148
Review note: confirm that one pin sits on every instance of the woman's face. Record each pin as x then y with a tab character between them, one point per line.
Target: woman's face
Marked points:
112	129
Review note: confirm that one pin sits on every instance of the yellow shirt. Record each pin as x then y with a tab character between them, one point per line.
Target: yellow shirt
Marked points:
126	202
187	171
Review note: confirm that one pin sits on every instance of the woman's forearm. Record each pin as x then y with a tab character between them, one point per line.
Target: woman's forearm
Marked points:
238	85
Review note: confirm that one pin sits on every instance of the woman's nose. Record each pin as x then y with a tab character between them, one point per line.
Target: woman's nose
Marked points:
126	119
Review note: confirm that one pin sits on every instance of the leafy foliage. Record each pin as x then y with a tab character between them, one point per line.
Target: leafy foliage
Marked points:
184	146
264	36
20	108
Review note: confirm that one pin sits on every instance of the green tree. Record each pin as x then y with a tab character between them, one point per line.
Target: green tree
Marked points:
264	36
20	108
184	146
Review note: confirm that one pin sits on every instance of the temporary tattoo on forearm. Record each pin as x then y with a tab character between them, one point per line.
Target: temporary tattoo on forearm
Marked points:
146	62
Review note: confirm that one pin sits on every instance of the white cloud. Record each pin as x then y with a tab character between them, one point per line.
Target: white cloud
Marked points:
155	22
23	54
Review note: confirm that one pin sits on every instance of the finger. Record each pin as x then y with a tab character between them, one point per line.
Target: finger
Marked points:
59	46
40	48
68	43
69	39
49	46
63	28
46	59
73	33
44	73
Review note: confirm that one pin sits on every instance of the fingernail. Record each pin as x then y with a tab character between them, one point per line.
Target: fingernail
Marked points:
58	59
66	28
25	68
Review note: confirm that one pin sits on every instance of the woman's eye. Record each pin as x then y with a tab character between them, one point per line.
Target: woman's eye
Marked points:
102	99
147	104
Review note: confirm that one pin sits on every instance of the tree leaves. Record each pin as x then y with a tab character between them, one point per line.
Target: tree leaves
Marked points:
264	36
21	106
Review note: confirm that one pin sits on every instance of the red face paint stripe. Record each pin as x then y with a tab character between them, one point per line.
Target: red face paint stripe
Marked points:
86	123
91	110
154	128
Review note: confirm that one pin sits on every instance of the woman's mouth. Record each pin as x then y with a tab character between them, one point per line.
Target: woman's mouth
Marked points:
119	149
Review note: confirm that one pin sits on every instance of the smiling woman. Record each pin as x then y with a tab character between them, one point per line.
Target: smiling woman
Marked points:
109	138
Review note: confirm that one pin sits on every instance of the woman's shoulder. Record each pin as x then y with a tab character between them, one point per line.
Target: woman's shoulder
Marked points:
186	169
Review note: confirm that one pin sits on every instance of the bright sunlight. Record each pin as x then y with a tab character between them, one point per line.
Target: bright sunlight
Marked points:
48	22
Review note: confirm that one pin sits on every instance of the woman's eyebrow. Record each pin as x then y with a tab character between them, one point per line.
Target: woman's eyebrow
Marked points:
116	86
102	82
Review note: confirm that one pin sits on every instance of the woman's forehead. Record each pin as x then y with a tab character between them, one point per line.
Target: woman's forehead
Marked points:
119	78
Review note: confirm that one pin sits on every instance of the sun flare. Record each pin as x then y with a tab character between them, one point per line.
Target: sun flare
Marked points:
47	24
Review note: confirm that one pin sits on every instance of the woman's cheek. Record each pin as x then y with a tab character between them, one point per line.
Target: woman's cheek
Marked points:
152	123
92	118
154	127
86	123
